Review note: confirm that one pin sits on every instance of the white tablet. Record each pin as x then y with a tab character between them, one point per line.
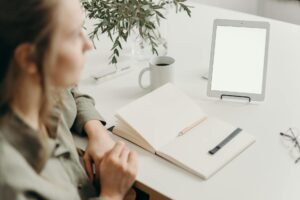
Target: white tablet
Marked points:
238	62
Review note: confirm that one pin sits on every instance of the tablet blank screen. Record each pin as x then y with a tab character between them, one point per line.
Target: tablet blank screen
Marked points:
238	63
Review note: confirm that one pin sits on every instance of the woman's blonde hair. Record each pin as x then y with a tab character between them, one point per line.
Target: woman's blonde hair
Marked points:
29	21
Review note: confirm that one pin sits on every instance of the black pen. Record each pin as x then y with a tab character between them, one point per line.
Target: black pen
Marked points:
225	141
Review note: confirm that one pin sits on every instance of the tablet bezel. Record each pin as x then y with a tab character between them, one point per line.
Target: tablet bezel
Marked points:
238	23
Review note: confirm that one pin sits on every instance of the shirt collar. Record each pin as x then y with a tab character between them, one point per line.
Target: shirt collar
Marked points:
29	142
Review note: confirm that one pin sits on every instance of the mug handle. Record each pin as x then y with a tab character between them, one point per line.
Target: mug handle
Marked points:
140	78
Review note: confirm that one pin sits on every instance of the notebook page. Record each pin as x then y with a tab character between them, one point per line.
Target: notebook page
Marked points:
190	151
160	115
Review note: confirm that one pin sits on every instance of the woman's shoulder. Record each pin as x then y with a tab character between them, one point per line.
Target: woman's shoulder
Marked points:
8	153
10	156
13	166
3	145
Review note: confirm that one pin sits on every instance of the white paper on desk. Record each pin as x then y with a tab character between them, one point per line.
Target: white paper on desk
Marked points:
190	151
160	115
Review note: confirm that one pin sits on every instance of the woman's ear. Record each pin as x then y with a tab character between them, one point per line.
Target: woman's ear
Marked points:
24	58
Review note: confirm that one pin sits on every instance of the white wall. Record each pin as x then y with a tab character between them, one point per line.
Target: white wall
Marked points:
248	6
285	10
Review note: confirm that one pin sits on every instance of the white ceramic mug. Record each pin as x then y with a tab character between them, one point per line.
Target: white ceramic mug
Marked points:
161	70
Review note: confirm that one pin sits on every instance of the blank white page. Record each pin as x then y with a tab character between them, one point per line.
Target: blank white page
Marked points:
160	115
238	63
190	151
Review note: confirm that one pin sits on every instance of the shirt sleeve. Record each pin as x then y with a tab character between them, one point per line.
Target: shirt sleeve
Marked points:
86	111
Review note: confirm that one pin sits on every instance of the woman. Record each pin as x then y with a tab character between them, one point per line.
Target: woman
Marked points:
41	55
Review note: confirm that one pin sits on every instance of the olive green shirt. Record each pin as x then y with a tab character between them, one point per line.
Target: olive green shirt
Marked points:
32	167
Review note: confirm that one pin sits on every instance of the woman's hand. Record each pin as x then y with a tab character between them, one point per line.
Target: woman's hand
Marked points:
99	143
118	170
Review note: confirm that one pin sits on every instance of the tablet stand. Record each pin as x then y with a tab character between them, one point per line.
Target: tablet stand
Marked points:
227	95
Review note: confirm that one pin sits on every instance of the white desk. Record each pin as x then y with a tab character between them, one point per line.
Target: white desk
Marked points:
265	170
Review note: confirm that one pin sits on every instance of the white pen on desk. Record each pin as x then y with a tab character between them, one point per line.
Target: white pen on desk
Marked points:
124	69
194	124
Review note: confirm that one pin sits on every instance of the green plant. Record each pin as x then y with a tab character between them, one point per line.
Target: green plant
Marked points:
118	18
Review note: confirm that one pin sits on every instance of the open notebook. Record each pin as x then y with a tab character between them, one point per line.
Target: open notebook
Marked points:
168	123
